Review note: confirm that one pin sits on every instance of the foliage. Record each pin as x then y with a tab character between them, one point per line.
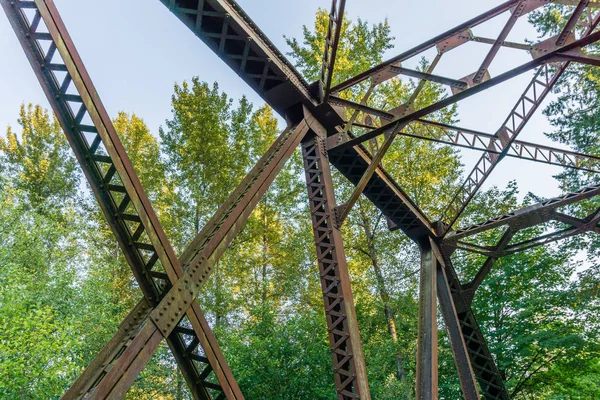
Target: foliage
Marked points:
65	286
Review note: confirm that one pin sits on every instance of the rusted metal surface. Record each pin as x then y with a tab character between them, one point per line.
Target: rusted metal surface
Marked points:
515	12
344	337
111	176
170	285
540	63
233	36
537	90
332	40
440	40
460	352
205	251
525	217
482	361
97	368
364	180
475	140
427	342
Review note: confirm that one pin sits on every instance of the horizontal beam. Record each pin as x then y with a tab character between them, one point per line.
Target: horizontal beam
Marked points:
475	140
471	139
469	92
524	217
578	226
427	45
428	77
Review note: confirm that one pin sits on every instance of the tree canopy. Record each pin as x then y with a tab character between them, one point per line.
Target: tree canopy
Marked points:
65	286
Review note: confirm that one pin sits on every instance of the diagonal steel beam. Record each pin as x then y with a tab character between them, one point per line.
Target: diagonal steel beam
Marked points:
332	40
470	288
524	217
287	92
199	259
588	224
516	12
245	49
343	211
486	16
570	25
535	93
471	139
117	188
428	77
475	140
490	380
344	337
460	351
543	72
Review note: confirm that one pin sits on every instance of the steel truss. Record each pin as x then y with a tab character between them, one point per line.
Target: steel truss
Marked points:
329	129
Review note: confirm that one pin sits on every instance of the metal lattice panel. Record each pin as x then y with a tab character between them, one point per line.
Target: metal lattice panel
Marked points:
170	285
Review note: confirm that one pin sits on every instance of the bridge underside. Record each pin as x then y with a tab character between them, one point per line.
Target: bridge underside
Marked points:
325	128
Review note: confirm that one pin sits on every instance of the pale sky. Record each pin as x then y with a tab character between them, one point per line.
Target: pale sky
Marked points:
135	50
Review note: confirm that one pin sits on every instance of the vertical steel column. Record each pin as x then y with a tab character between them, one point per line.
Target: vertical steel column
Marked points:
427	344
344	338
460	351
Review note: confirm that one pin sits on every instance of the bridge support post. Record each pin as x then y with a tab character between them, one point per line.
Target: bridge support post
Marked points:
427	344
344	337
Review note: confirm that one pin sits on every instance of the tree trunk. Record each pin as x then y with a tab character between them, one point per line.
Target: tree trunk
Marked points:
264	256
381	288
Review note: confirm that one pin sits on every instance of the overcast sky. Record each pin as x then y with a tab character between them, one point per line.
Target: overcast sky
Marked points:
135	50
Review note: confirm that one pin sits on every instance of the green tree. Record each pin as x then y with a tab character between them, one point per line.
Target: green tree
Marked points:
39	255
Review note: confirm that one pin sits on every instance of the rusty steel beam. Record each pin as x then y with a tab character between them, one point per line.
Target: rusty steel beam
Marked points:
512	45
344	337
538	62
117	188
427	342
94	371
334	30
579	58
537	90
286	91
568	28
460	352
486	16
525	217
541	240
458	35
428	77
234	37
588	224
577	226
475	140
516	12
470	288
200	257
382	191
471	139
361	107
482	361
343	211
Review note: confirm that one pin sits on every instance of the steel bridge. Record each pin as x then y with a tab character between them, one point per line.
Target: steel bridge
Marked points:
331	131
